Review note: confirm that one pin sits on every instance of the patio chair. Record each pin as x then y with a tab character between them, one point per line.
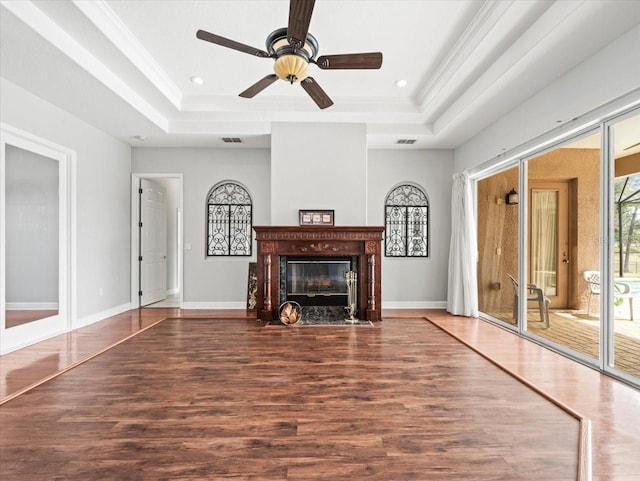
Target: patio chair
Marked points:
534	293
593	281
621	291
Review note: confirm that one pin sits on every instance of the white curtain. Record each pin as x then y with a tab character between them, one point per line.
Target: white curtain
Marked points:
462	295
544	240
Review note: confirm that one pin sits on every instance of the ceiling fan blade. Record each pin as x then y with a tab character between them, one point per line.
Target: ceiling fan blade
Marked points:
259	86
318	95
371	60
225	42
299	18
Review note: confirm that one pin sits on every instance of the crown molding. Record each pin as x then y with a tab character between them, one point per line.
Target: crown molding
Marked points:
488	15
106	20
531	46
295	104
32	16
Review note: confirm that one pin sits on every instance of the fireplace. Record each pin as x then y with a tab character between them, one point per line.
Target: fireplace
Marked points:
307	264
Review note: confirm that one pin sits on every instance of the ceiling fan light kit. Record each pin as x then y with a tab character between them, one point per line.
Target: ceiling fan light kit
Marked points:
292	62
291	68
293	48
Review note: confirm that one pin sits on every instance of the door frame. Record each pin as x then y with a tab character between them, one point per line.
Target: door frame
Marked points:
563	282
135	233
39	330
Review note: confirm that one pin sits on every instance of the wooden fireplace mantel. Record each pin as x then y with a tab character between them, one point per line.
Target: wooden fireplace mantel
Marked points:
319	241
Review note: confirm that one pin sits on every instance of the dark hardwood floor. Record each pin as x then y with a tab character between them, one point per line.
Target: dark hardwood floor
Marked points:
131	431
230	399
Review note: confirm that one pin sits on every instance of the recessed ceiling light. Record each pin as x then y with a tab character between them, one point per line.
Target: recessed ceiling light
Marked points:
400	83
197	80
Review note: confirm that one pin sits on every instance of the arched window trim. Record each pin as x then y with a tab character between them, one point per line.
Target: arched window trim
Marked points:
229	220
403	237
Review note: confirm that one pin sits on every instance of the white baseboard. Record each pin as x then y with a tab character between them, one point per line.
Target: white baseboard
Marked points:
99	316
415	305
214	305
31	306
173	291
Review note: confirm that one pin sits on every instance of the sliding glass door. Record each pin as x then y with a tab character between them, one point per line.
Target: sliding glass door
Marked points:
568	245
623	338
563	243
498	246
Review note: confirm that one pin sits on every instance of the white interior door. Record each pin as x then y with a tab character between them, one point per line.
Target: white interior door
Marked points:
153	243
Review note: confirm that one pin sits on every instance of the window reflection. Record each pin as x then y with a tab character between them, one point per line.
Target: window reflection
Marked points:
32	218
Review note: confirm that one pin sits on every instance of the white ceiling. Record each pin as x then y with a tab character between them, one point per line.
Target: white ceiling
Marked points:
124	65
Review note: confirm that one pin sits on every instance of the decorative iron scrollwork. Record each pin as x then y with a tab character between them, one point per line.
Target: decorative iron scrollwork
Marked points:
407	222
229	220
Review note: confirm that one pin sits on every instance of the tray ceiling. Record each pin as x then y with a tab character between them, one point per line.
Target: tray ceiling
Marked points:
125	66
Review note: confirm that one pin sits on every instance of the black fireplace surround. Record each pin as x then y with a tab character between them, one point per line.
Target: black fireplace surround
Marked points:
316	281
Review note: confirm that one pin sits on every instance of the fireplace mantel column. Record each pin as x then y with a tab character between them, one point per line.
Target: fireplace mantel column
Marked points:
265	278
371	298
374	311
267	283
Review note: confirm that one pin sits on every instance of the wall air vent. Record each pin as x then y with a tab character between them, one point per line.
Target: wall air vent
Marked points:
406	141
232	140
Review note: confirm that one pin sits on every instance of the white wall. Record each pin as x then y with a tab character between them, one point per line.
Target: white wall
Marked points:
102	193
318	166
211	281
417	282
31	230
608	75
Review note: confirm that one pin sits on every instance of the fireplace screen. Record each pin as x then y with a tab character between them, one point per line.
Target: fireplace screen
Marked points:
318	282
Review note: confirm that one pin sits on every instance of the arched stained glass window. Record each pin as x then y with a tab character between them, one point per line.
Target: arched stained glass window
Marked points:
229	220
406	222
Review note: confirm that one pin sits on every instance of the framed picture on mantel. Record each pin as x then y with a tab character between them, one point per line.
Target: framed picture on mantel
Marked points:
316	217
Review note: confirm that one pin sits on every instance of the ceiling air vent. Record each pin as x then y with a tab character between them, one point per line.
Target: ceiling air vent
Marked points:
232	140
406	141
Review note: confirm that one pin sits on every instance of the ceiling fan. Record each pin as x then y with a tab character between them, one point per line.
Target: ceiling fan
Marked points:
293	49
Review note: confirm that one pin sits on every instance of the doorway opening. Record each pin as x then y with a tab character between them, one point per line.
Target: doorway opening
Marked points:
156	240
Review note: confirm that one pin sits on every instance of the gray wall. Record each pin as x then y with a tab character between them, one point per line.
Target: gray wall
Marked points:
221	281
214	281
318	166
418	282
103	170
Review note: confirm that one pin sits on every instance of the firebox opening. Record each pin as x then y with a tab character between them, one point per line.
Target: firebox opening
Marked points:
318	281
